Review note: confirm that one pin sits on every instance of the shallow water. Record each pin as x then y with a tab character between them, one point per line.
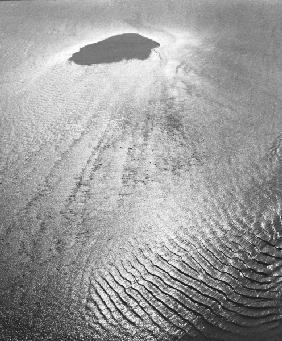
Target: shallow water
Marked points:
114	49
141	200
